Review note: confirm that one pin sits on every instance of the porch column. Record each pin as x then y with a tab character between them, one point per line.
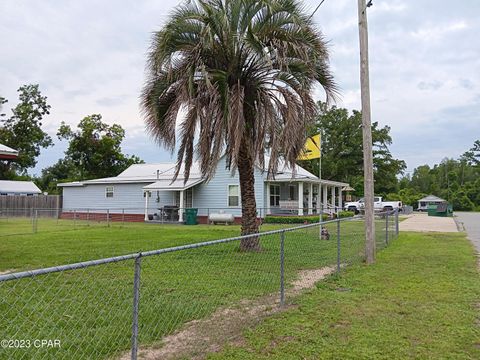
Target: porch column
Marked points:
267	205
319	198
180	211
333	199
340	200
310	199
325	194
146	205
300	198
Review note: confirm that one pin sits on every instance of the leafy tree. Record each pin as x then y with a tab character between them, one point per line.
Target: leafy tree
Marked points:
456	180
243	71
62	171
472	156
2	101
94	150
23	130
342	154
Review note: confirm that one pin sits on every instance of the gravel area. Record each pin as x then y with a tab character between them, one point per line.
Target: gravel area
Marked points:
423	223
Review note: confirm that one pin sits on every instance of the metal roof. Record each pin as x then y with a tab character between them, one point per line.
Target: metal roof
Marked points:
432	198
177	185
8	151
18	187
164	172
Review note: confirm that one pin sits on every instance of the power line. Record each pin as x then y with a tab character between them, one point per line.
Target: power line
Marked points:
314	11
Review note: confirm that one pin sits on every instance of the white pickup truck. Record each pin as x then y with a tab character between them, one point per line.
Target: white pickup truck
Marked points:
379	205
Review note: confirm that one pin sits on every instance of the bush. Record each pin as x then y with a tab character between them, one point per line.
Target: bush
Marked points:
293	219
345	214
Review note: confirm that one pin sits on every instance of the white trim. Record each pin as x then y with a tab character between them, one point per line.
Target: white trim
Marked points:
239	197
182	206
106	192
270	194
300	198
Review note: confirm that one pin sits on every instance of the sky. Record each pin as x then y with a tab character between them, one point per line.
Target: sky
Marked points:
89	57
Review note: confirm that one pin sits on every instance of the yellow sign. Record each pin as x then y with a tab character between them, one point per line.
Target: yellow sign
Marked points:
311	149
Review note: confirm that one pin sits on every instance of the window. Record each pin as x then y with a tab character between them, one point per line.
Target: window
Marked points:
109	191
233	195
147	192
274	195
292	192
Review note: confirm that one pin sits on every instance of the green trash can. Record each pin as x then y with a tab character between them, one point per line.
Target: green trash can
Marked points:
441	210
191	216
432	210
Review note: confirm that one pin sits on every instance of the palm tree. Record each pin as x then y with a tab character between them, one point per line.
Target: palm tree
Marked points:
241	74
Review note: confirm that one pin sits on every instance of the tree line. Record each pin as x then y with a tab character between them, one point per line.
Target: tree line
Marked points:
93	151
455	180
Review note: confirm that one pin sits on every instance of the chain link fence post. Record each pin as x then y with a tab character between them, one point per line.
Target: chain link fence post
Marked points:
32	220
108	217
397	229
338	246
35	222
386	228
74	218
136	299
282	268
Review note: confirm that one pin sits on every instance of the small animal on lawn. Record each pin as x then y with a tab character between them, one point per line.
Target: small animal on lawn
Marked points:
325	234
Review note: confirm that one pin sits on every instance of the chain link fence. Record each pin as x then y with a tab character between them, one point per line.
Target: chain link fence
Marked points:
173	302
33	220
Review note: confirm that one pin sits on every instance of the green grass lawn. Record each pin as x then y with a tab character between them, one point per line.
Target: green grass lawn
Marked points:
420	300
64	241
90	310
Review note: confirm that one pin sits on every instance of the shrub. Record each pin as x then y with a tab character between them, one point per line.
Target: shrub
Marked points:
293	219
345	214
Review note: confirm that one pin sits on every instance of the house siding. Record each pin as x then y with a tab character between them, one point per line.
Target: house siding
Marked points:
212	196
126	197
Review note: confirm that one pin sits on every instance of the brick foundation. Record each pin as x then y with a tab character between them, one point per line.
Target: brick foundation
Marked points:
93	216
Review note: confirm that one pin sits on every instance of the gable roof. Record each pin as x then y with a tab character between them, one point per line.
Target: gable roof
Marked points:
432	198
164	172
18	187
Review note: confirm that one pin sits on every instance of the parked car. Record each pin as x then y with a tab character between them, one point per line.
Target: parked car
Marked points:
378	204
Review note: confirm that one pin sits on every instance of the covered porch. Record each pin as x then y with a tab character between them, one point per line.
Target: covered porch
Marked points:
304	197
170	200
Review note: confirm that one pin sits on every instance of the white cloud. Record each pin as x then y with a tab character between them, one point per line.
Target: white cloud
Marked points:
89	57
437	32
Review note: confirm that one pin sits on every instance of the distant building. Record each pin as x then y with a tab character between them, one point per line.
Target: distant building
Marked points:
25	188
7	153
429	200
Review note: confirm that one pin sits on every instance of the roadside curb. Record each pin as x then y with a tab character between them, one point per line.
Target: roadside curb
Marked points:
460	225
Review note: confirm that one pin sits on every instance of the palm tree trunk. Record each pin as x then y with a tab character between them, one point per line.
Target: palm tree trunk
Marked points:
247	191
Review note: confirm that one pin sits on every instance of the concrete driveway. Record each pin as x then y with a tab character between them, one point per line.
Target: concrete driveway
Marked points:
471	223
422	222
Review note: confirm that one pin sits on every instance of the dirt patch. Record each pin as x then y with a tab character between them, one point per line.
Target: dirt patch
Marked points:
8	271
308	278
200	337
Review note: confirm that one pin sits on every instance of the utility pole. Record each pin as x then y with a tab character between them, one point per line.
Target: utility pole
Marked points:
367	133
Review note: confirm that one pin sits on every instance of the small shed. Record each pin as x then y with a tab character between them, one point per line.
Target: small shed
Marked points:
11	187
429	200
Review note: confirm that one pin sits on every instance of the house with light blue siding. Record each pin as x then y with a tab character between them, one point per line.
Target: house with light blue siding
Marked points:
146	192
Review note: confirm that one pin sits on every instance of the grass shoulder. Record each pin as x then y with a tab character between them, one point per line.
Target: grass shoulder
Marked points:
420	300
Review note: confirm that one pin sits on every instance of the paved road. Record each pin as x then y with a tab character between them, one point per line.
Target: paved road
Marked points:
471	222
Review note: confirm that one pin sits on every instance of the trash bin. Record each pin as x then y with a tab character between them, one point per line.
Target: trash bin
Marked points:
432	210
191	216
442	209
